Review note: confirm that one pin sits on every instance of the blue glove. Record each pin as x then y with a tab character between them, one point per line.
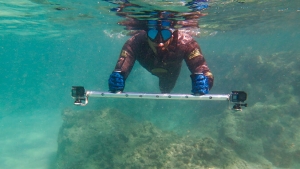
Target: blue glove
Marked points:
116	82
199	84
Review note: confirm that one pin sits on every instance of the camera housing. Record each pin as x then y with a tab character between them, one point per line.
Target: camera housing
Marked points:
78	93
238	97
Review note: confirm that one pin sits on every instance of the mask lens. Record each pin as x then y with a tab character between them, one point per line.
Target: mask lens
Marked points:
166	34
152	33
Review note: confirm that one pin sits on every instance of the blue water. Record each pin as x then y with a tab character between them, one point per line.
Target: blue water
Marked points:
45	51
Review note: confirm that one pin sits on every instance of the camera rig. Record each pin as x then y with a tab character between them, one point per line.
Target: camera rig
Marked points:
81	96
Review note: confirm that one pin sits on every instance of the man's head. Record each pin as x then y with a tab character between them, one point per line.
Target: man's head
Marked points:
159	34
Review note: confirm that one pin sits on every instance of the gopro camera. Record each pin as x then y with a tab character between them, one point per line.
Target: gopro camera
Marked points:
78	93
238	97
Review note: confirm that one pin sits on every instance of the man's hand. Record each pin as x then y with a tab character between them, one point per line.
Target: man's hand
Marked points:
199	84
116	82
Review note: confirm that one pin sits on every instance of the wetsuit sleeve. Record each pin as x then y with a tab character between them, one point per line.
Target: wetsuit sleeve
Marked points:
196	61
126	59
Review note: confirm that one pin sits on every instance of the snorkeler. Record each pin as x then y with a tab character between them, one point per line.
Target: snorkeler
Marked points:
161	50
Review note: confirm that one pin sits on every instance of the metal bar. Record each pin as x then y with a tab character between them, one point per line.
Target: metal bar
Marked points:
131	95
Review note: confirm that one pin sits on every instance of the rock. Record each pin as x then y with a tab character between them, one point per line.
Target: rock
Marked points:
109	139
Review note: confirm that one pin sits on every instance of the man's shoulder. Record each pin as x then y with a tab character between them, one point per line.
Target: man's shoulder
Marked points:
184	38
138	37
187	43
136	42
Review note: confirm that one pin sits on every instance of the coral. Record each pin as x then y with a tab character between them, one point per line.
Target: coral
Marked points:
263	133
109	139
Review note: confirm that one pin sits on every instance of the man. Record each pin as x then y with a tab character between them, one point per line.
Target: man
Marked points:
161	52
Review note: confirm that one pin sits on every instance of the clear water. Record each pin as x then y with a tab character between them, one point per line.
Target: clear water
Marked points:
48	46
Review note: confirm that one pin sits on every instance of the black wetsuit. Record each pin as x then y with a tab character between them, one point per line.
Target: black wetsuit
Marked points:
166	66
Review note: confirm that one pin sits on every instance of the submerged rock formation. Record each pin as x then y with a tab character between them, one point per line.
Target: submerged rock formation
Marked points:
110	139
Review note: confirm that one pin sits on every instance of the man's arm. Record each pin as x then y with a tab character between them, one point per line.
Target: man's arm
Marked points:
116	81
196	62
126	59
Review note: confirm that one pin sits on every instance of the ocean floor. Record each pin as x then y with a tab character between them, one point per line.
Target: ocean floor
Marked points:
111	139
29	140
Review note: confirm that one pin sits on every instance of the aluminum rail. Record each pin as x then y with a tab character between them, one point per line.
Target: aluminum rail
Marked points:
81	96
132	95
